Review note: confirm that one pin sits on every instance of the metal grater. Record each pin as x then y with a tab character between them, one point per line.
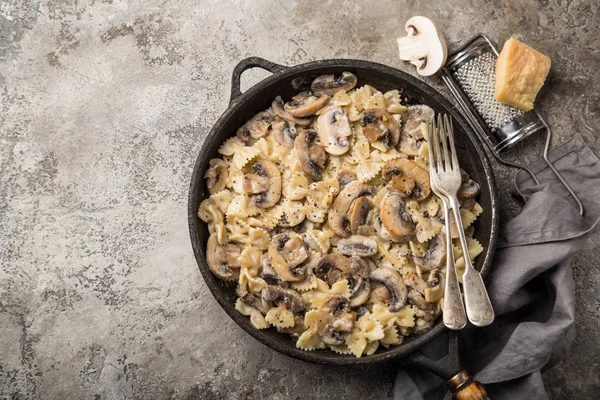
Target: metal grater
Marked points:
470	74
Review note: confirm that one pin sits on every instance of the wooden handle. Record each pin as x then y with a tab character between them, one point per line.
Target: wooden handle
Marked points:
463	387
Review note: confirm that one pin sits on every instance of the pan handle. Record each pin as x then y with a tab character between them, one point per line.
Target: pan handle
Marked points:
247	63
464	387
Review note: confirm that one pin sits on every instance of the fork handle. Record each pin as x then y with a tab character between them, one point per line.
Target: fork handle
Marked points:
477	301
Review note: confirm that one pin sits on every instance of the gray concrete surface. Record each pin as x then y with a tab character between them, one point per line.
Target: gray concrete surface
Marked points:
103	108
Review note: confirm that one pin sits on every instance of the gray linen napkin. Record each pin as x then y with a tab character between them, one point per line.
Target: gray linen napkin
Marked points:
530	285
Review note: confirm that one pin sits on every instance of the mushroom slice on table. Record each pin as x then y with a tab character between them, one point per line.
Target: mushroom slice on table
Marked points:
378	124
394	283
310	153
330	84
289	298
216	175
284	132
221	258
435	255
263	184
394	217
335	321
408	178
279	110
435	286
332	268
338	214
256	127
334	130
305	104
287	256
357	245
425	46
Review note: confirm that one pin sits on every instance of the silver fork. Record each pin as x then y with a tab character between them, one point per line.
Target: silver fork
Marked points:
454	315
446	177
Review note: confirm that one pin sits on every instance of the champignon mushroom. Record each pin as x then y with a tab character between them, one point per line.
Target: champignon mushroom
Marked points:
417	299
361	266
394	217
394	283
378	124
334	130
254	302
416	282
263	184
298	327
336	321
216	175
381	231
424	46
345	177
468	189
337	217
412	128
310	153
358	280
284	132
330	85
279	110
305	104
221	258
287	256
358	213
435	286
256	127
407	177
269	274
380	293
435	255
332	268
279	296
357	245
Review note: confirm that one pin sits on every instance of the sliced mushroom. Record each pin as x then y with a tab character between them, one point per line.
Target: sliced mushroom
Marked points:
334	130
407	177
416	282
310	153
336	321
381	231
330	85
289	298
357	245
424	46
394	217
264	184
279	110
435	286
361	267
298	327
380	293
269	274
394	283
332	268
221	259
287	256
305	104
412	131
417	299
256	127
345	177
337	218
358	280
358	213
254	302
284	132
468	189
216	176
435	256
378	124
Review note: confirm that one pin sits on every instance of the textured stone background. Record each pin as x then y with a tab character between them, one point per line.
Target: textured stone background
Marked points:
104	106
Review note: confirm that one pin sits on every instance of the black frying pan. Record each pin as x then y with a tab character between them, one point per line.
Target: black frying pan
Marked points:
287	81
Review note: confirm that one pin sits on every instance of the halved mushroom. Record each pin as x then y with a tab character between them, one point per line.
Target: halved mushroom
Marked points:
394	217
305	104
310	153
332	268
345	177
357	245
336	321
264	183
334	130
378	124
468	189
407	177
221	258
338	214
435	255
412	132
287	256
424	46
216	176
284	132
330	85
435	286
358	213
394	283
279	110
256	127
289	298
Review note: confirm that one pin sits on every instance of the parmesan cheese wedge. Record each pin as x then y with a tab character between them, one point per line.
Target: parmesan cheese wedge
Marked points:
520	74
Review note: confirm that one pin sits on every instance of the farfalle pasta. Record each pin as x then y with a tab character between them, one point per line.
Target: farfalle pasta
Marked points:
321	212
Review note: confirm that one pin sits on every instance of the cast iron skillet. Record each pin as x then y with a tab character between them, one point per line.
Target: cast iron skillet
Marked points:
287	81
